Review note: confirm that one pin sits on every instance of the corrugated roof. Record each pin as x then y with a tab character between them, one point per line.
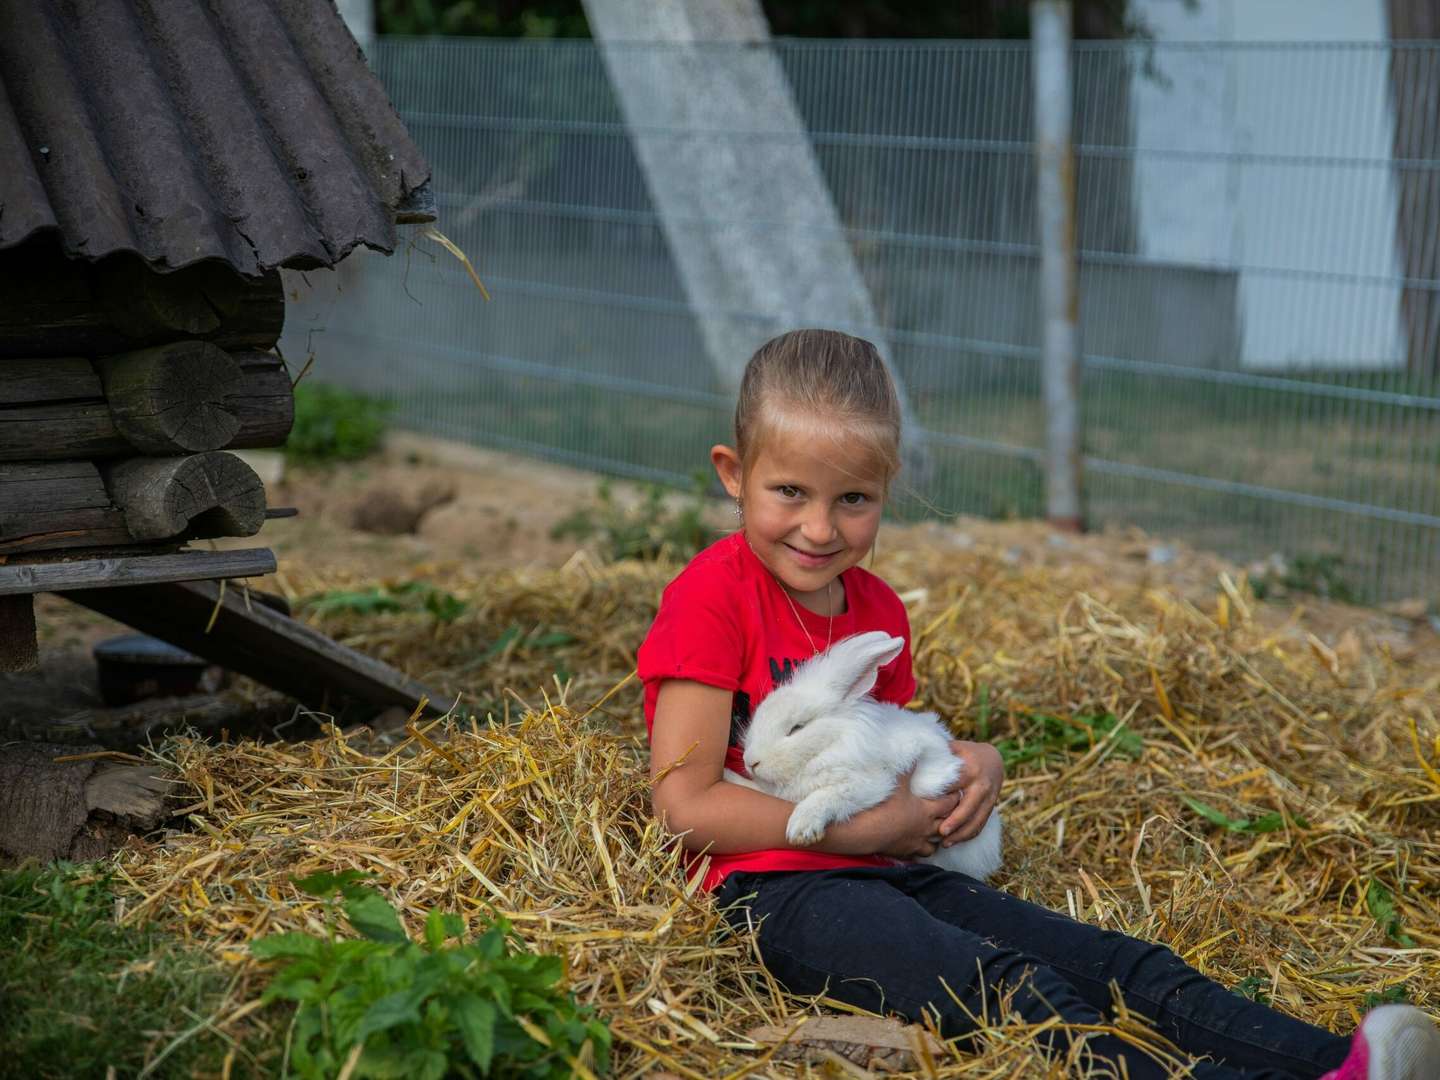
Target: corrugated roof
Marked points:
245	130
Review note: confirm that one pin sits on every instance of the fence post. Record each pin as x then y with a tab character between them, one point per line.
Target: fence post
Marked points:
1059	297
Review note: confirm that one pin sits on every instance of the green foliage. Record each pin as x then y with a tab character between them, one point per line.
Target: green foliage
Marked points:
425	1010
1253	987
647	530
408	596
1047	737
1398	994
334	424
79	993
1271	822
1319	575
492	18
1380	902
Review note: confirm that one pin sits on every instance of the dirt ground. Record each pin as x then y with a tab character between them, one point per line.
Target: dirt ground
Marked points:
494	510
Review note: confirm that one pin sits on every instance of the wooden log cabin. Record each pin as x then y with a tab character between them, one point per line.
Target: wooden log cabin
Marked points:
164	161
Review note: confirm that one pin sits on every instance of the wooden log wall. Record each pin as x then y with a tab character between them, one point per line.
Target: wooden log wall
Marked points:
121	390
185	397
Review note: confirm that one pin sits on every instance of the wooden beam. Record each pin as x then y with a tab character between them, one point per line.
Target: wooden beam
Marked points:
24	578
19	650
255	640
173	399
201	495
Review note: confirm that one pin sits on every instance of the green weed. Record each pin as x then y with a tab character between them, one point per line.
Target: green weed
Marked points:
380	599
1271	822
80	994
1253	987
1319	575
384	1006
648	530
1380	902
1048	737
334	424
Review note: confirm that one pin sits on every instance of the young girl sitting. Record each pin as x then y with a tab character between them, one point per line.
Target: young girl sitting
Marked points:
817	434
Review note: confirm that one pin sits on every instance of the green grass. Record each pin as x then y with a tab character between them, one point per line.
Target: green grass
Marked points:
79	994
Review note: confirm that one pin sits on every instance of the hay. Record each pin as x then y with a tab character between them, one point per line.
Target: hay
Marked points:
1241	709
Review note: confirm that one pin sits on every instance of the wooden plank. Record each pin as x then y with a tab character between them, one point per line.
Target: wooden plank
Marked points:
19	650
257	641
24	578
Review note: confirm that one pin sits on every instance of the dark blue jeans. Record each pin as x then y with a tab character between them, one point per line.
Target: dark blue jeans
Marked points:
884	938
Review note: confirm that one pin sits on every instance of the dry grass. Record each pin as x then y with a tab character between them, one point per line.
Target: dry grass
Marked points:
544	818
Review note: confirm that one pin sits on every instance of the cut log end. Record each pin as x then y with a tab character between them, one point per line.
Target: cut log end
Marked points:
174	398
203	495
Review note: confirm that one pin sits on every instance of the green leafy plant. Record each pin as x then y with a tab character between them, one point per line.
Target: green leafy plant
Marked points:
385	1006
1380	902
334	424
1271	822
407	596
1049	736
1398	994
1253	987
651	529
1319	575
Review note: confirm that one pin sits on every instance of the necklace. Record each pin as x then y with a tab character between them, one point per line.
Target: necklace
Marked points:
829	626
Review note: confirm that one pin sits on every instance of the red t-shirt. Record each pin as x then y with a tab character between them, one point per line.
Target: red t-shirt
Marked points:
725	621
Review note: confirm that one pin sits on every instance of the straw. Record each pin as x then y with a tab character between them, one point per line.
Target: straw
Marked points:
1276	828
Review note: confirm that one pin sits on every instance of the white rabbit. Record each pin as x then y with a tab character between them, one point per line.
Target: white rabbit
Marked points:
820	742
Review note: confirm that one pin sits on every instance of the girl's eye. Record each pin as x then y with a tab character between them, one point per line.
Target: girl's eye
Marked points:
854	498
788	492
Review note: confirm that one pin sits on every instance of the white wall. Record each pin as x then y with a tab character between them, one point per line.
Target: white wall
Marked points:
1262	215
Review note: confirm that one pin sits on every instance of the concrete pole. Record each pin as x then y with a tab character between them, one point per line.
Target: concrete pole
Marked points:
1050	22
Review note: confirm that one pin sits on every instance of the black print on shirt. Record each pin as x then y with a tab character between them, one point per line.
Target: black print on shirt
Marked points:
780	672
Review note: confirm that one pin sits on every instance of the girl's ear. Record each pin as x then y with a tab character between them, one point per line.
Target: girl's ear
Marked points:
727	468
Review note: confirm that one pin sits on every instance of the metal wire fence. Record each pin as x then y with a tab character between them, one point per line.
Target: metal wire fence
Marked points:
1258	235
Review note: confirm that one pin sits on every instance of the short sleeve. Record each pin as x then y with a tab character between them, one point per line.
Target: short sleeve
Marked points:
895	682
696	635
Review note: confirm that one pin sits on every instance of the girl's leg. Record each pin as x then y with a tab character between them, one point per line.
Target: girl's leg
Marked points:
857	936
1197	1014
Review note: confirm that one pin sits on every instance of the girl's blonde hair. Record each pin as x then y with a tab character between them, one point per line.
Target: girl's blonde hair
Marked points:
819	383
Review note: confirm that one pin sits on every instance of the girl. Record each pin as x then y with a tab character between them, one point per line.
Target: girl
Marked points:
817	433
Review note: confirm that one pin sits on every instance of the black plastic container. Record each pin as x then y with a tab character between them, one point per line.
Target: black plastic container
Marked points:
136	666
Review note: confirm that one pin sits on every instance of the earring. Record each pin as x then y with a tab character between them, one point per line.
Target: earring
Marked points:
740	511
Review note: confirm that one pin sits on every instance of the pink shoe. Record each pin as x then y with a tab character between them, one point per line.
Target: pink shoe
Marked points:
1393	1042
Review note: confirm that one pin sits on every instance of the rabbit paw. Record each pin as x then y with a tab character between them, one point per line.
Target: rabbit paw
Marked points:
806	825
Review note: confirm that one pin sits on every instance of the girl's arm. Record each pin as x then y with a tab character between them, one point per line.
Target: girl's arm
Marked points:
692	725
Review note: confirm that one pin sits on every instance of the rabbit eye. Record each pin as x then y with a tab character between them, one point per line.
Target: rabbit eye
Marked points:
796	726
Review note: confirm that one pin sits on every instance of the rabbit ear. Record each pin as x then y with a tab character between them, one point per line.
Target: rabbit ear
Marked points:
848	669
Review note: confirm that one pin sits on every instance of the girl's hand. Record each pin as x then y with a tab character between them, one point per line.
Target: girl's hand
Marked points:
980	781
904	826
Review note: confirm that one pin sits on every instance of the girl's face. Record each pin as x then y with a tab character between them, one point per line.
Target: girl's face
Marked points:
812	508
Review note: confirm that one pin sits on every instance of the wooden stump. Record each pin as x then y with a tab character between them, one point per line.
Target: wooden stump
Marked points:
73	809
